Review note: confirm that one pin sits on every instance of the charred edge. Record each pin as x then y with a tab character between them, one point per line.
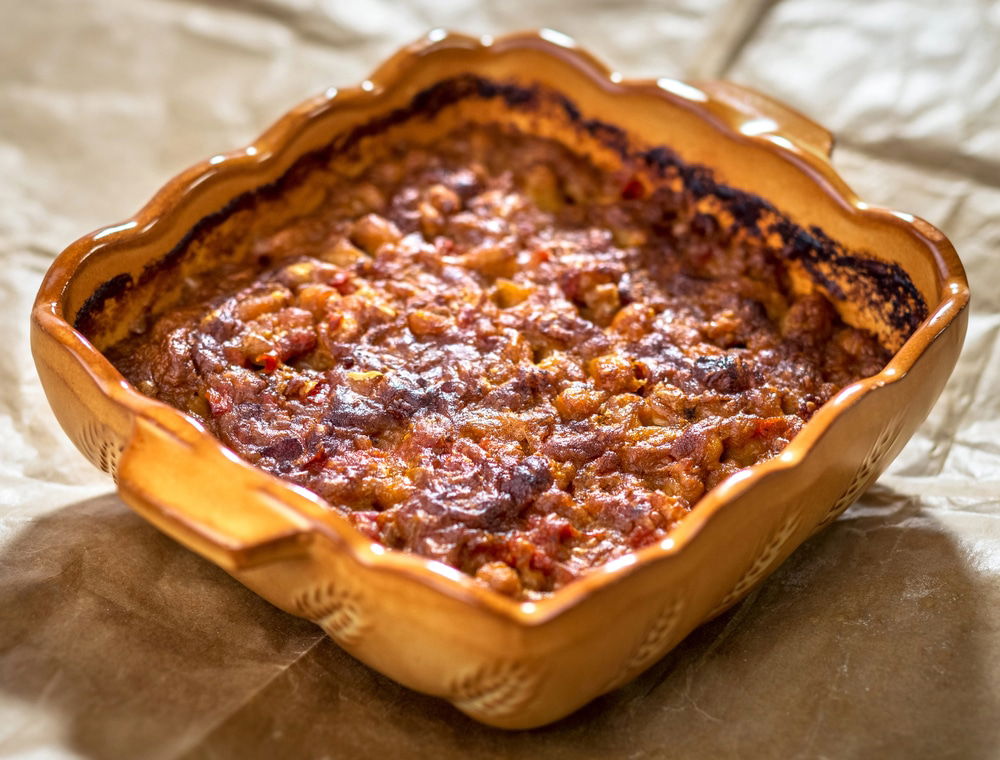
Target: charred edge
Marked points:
611	135
884	285
427	103
110	289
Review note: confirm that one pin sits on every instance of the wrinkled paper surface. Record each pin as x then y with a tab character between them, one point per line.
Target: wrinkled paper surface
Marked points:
878	638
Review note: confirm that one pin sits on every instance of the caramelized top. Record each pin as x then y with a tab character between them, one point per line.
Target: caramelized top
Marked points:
494	355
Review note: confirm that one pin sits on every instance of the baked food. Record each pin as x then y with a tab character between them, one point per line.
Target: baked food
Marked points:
494	354
509	662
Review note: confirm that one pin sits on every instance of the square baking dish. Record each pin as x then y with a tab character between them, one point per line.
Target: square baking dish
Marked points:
742	157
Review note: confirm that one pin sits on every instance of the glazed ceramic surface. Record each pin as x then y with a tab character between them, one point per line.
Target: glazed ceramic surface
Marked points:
507	663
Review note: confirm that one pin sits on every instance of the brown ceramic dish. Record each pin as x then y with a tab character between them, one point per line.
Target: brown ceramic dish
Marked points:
508	663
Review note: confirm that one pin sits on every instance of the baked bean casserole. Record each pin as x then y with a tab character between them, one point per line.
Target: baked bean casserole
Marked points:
491	353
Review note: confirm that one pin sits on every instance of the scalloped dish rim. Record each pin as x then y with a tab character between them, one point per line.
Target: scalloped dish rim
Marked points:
158	214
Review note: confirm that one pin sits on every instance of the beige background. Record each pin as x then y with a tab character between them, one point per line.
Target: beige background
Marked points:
878	638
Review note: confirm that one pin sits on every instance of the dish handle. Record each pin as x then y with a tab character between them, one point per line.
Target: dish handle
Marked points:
236	520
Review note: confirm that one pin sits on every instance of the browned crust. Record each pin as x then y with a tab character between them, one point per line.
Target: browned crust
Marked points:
883	286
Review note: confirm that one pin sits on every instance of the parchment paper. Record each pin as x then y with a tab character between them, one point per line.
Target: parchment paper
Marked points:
878	638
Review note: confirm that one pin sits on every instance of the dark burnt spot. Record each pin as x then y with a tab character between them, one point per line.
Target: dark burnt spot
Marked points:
348	411
723	374
402	395
492	513
704	225
569	107
516	490
726	193
660	158
405	402
526	480
283	450
249	410
431	101
698	180
747	210
530	383
513	95
109	290
609	134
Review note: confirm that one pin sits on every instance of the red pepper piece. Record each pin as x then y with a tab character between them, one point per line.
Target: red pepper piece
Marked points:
634	189
342	282
268	362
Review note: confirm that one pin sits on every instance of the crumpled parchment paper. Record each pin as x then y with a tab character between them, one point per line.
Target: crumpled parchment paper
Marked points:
878	638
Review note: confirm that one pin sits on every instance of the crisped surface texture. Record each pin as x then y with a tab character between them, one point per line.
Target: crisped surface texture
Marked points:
494	355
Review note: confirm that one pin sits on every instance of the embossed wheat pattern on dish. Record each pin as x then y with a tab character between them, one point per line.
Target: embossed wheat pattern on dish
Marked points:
101	446
653	645
338	611
863	477
760	566
495	689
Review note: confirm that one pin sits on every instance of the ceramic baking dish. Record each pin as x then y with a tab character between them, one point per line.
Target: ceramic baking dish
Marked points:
747	159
